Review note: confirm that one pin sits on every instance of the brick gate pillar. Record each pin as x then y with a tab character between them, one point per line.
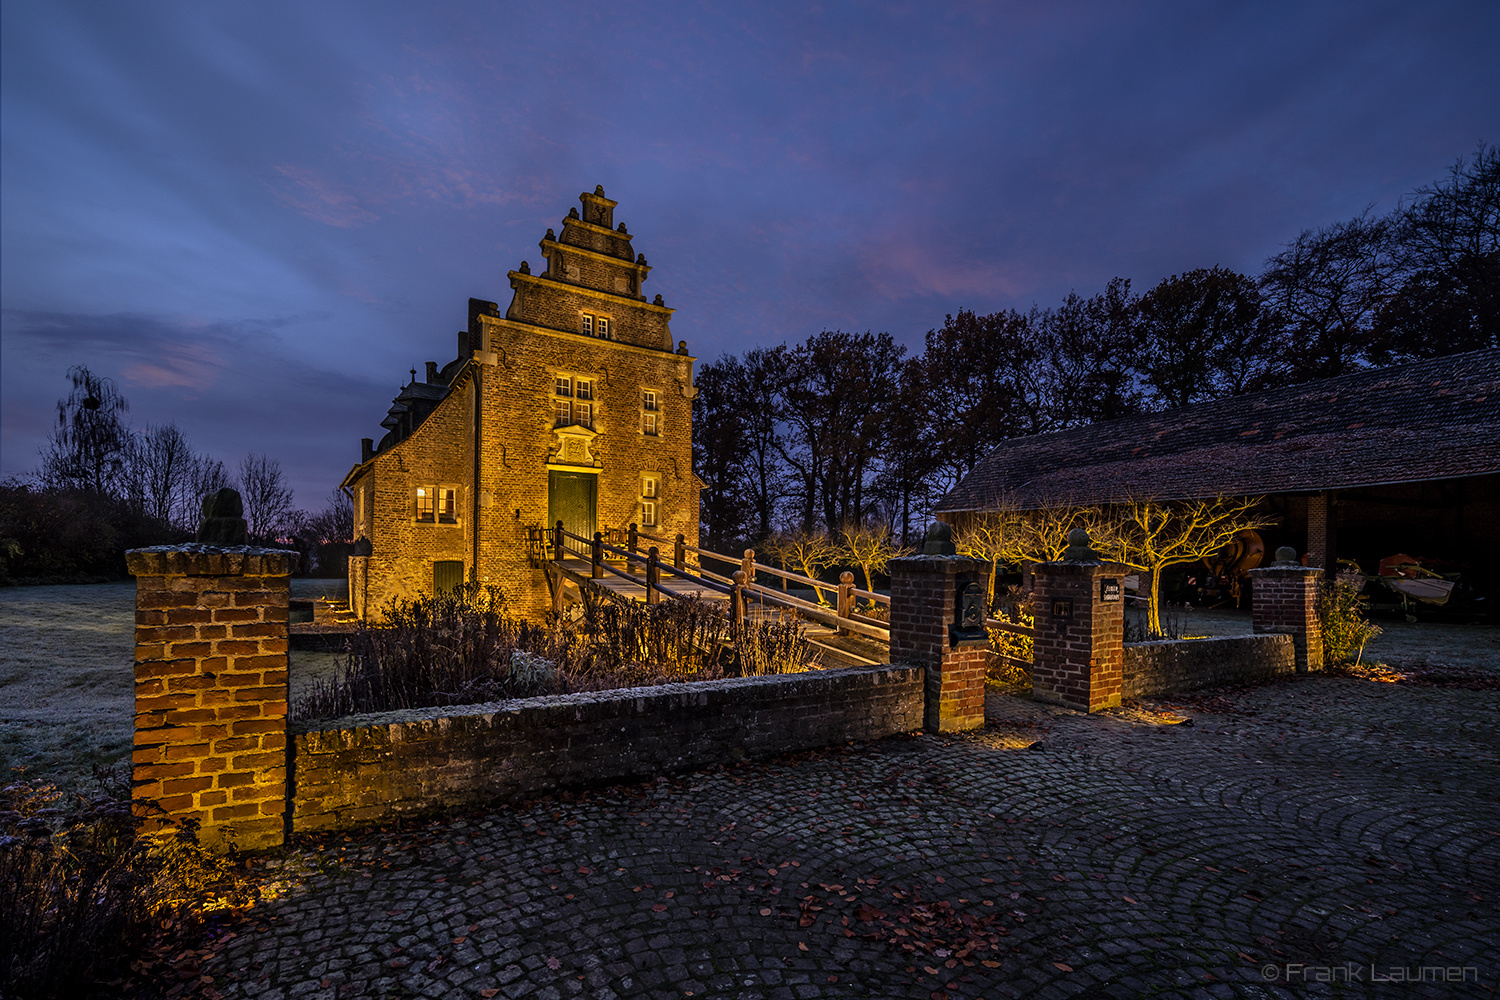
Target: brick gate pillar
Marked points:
1079	647
211	688
929	596
1284	599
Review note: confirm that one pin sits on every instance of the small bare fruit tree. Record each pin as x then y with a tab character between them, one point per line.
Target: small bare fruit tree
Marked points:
1150	535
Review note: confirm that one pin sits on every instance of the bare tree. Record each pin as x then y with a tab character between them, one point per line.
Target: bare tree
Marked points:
159	474
266	496
870	547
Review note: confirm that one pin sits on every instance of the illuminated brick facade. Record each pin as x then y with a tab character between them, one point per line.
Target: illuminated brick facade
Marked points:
575	404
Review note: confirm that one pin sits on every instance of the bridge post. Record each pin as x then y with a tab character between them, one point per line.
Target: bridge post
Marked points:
634	542
747	565
558	552
737	604
846	596
598	567
679	553
653	574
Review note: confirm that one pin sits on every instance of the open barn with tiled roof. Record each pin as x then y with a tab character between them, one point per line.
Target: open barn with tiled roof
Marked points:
1388	460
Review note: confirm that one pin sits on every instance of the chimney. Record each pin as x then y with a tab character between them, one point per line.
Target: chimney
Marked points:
366	449
432	373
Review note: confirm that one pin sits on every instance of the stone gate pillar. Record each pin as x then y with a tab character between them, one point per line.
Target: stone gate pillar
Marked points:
930	595
1284	599
211	688
1078	651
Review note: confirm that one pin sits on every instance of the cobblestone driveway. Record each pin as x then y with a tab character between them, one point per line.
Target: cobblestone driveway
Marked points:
1322	821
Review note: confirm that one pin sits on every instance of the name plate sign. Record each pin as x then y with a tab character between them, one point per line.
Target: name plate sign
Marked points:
1109	590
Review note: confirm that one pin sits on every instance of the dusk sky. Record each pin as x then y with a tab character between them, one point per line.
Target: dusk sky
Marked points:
256	217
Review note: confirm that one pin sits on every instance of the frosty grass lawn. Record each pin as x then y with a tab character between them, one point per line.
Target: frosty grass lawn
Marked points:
66	656
66	677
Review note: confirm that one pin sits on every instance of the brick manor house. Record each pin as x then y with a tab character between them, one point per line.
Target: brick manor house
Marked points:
572	406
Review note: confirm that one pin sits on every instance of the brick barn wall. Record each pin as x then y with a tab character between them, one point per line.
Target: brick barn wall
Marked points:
418	762
1173	665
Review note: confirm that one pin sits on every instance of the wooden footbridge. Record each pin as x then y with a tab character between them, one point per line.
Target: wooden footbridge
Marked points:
627	564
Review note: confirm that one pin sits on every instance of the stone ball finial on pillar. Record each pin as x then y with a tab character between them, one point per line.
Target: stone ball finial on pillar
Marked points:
1286	556
939	540
1079	549
223	520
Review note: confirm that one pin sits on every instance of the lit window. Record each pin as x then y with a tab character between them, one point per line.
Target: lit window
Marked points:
562	413
648	513
437	505
564	386
588	325
603	324
585	388
583	415
648	401
648	424
648	486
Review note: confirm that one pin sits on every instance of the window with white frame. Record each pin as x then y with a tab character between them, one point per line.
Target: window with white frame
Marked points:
649	487
648	513
573	401
601	326
588	325
649	426
648	400
437	504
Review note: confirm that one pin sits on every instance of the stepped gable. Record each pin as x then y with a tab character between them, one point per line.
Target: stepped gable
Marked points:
591	268
1428	420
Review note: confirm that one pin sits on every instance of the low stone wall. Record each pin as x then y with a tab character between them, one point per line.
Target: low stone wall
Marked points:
371	769
1172	665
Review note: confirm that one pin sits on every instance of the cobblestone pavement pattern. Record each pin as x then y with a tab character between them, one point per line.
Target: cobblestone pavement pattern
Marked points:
1319	821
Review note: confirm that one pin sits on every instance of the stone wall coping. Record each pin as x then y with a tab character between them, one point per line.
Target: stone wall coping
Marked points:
198	559
1079	568
936	564
694	690
1210	640
1287	572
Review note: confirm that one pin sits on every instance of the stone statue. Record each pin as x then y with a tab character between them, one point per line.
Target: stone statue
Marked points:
223	519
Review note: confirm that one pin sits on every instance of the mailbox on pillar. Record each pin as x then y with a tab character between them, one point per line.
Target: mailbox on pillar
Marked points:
968	630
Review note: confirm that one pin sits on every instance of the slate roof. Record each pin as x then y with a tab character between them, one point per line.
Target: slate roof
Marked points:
1433	419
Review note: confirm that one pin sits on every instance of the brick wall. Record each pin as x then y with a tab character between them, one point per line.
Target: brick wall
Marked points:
1078	646
1285	600
417	762
211	688
1172	665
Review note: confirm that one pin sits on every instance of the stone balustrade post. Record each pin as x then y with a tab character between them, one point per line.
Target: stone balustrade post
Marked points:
1284	599
211	688
927	605
1078	650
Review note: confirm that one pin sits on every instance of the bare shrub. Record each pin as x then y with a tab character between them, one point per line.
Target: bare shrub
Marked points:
82	889
460	648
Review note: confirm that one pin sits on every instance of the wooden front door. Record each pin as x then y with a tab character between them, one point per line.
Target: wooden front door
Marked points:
447	575
572	498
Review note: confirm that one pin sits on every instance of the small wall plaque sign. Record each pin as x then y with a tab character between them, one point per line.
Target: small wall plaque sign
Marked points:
1062	610
1109	589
